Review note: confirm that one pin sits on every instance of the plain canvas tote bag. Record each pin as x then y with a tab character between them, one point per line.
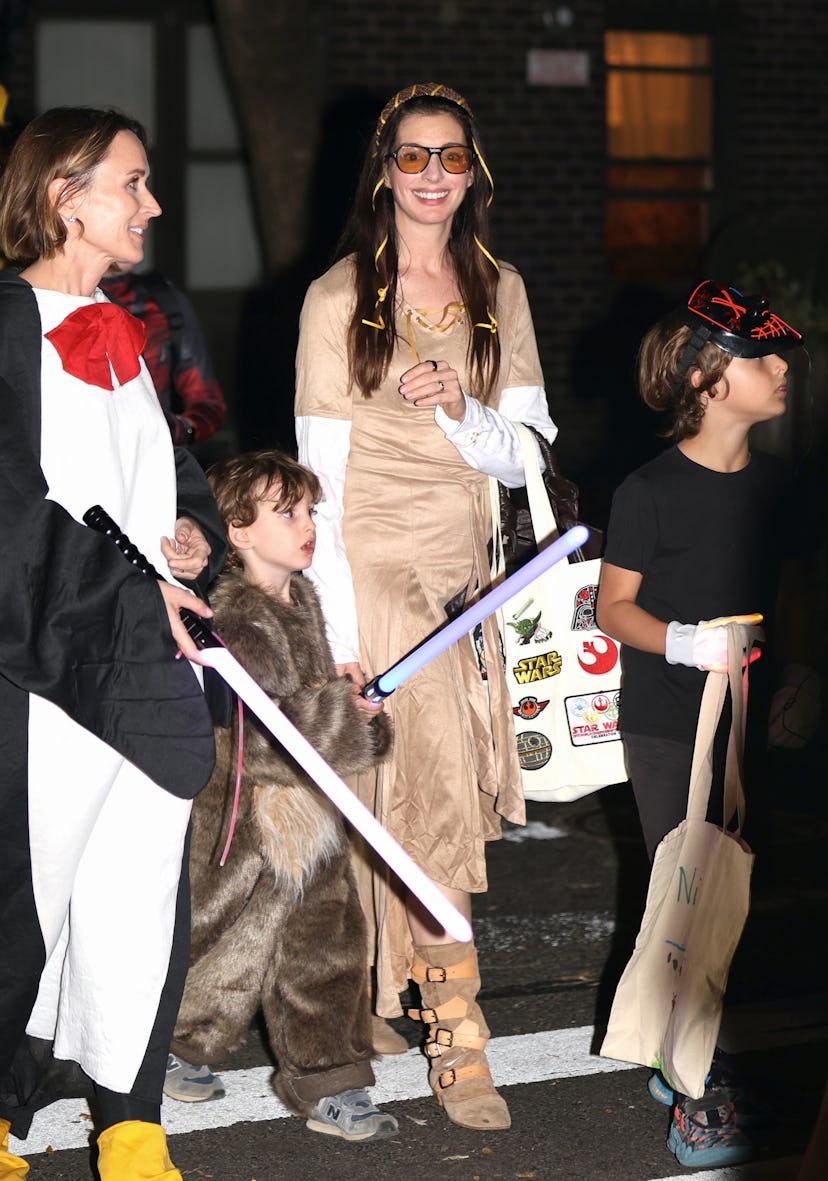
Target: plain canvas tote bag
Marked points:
668	1005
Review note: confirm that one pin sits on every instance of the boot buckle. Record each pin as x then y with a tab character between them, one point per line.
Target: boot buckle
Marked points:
439	1040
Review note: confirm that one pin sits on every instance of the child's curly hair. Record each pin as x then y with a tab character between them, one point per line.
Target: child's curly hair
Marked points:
241	483
664	388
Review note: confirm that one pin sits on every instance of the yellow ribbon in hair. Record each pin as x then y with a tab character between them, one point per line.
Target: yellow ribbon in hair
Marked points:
485	168
379	323
492	324
377	188
484	251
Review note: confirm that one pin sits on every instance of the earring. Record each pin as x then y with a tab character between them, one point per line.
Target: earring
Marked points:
72	217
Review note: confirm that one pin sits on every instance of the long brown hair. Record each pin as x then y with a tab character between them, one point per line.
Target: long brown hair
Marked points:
665	387
65	142
372	332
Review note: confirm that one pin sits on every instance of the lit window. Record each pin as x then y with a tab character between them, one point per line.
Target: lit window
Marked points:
659	152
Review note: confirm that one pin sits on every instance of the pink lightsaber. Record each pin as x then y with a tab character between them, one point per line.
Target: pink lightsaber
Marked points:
561	548
215	655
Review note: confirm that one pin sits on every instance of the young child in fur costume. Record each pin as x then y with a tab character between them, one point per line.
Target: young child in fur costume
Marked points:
280	925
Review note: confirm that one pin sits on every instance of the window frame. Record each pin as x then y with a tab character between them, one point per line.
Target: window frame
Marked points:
704	194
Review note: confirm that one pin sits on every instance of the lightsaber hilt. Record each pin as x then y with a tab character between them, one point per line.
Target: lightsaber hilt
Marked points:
98	518
384	685
372	692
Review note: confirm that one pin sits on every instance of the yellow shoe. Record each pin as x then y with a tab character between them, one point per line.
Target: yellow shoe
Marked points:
135	1151
11	1166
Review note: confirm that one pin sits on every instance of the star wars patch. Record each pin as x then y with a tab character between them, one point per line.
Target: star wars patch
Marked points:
529	707
598	655
534	750
593	717
529	628
537	668
583	619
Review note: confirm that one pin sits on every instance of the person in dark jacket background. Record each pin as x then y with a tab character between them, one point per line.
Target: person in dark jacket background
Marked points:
175	353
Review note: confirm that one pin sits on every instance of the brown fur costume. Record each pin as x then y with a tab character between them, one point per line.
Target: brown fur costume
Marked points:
280	925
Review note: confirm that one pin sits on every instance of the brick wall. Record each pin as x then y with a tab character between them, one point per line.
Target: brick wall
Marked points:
546	144
781	150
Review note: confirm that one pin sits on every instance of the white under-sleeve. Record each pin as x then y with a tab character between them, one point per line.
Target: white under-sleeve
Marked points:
486	438
323	446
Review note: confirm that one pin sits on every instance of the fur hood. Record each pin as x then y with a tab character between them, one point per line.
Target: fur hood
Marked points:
282	815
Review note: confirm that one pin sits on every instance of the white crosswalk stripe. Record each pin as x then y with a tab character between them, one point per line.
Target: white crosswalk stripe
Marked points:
525	1058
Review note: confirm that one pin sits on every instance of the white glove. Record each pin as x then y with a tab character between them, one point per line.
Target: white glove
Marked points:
796	708
704	645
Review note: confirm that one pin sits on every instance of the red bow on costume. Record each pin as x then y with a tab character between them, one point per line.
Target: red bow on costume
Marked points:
97	336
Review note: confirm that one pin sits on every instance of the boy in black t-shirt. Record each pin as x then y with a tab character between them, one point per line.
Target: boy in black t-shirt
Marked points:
696	538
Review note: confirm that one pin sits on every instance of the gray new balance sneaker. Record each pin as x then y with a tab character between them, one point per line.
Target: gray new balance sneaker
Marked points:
191	1084
351	1115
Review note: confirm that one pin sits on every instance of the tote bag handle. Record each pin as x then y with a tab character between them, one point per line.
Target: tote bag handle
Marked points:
544	525
701	773
543	517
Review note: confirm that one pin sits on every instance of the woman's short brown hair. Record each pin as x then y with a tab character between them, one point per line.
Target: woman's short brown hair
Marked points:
241	483
65	142
665	388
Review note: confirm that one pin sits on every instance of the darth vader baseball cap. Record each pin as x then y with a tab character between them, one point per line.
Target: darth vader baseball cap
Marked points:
741	325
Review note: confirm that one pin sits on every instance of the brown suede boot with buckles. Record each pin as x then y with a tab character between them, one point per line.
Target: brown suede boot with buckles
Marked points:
457	1034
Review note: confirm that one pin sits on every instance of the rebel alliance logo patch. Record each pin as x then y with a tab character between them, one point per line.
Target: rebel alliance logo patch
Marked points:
529	707
598	655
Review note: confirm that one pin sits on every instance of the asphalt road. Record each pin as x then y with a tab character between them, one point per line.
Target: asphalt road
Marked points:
554	932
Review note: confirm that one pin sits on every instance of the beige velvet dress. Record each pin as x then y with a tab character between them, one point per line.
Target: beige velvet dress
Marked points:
416	524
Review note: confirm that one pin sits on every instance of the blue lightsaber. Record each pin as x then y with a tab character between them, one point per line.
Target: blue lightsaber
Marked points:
385	684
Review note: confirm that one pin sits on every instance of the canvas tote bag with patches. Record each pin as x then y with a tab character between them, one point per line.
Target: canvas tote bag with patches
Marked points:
668	1005
562	673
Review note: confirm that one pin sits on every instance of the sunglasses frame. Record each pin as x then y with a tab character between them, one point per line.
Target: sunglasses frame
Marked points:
433	152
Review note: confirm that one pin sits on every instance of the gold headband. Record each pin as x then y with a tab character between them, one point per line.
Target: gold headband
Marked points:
418	90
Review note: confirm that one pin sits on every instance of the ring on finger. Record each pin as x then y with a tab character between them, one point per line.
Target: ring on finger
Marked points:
442	387
434	365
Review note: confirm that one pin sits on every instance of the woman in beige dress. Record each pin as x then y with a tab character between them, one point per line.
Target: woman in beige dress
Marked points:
416	355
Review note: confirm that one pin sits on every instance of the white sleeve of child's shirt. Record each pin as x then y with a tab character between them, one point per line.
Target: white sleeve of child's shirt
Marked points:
323	446
487	439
